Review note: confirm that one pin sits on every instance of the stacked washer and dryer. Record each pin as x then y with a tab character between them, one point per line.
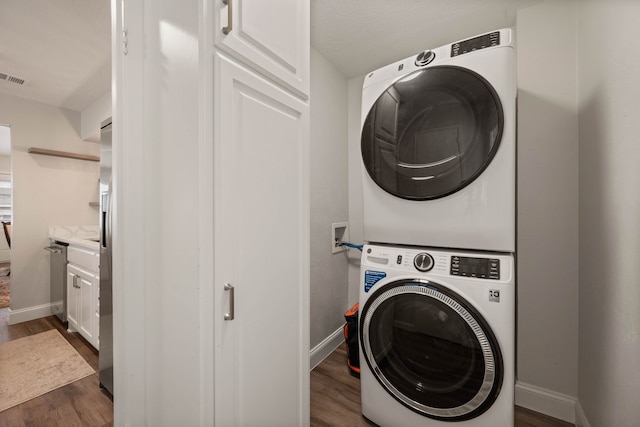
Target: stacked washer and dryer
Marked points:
437	294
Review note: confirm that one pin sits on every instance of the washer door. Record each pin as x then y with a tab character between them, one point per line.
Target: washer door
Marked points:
432	132
431	350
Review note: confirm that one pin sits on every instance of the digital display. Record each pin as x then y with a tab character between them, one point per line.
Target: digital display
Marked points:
483	268
480	42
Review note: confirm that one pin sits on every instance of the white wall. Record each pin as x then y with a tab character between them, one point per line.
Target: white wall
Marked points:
47	191
161	377
92	116
547	238
609	90
5	164
355	184
329	198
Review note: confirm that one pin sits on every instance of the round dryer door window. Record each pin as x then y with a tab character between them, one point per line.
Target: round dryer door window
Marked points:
431	350
432	132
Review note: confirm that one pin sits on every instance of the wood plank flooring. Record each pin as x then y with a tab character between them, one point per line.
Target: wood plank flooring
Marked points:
81	403
335	398
335	395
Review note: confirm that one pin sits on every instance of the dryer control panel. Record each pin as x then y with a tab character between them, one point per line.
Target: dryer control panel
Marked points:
480	42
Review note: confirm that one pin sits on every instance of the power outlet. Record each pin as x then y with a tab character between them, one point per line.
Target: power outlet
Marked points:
339	234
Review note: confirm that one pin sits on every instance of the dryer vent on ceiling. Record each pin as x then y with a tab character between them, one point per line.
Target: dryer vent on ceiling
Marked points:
12	79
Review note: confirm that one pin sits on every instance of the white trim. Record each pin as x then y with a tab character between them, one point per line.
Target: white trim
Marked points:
208	310
29	313
548	402
128	201
325	348
581	417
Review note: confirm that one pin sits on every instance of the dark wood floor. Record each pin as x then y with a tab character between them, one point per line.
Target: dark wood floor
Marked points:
335	398
335	395
81	403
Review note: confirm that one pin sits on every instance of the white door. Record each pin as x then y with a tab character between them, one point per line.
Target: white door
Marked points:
261	226
87	324
271	34
72	299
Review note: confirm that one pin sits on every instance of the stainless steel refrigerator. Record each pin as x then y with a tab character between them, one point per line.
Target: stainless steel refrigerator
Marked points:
105	357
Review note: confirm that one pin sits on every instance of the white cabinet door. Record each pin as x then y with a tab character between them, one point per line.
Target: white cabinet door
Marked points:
82	286
261	225
73	295
87	324
272	35
85	307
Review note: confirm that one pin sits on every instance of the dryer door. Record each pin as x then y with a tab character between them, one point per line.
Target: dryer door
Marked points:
432	132
431	350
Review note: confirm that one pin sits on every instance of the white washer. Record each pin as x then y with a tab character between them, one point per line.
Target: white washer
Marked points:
438	147
437	337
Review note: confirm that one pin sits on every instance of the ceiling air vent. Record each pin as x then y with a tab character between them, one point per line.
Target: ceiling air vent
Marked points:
12	79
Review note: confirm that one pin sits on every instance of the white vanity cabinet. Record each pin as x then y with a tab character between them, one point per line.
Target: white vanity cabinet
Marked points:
83	292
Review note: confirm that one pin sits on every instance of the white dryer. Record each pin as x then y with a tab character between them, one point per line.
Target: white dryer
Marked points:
437	337
438	147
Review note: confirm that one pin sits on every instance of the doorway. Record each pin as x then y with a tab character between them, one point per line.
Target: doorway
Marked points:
5	216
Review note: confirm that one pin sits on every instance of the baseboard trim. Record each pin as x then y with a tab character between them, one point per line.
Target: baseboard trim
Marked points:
325	348
29	313
581	417
548	402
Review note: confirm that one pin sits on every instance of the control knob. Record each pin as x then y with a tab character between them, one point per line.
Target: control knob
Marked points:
423	262
424	58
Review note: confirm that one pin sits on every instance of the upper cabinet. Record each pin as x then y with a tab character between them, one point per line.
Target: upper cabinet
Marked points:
271	35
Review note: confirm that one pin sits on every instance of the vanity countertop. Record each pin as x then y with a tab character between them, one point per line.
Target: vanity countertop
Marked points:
85	236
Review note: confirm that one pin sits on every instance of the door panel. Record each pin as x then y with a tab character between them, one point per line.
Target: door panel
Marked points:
87	309
278	45
262	245
72	299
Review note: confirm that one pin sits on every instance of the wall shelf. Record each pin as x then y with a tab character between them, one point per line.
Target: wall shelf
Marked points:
43	151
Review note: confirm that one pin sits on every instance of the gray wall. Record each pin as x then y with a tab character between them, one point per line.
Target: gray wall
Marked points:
329	197
547	246
609	125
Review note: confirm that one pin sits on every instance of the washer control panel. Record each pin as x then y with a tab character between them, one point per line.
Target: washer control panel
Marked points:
432	263
483	268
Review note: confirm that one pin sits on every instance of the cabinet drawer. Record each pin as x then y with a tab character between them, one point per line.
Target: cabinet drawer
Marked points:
88	259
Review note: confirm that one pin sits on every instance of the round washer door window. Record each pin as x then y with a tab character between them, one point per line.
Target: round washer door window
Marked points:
432	132
431	350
